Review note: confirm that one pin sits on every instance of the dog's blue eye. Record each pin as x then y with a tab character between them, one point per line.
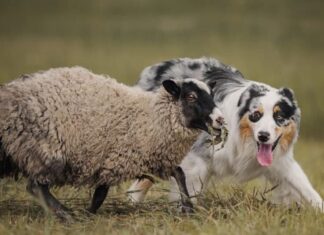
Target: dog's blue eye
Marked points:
279	119
254	117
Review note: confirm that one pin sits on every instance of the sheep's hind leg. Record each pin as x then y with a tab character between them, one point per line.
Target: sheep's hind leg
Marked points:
180	178
98	198
41	192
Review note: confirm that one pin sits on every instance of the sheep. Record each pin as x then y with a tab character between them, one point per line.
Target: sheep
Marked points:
69	126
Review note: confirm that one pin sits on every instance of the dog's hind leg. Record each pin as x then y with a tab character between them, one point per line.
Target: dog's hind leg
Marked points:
98	198
293	184
41	192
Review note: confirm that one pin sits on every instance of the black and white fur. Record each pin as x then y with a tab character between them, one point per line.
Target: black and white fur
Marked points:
263	124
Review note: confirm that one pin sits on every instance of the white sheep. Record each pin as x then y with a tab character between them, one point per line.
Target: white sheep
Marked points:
70	126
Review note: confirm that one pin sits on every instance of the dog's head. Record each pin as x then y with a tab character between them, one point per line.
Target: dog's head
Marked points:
269	117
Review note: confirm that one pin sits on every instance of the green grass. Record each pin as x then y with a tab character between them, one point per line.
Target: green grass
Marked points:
277	42
225	209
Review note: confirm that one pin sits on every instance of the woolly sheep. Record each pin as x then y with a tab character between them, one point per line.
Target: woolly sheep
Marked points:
70	126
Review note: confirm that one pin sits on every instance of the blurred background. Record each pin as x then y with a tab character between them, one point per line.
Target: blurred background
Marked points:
280	42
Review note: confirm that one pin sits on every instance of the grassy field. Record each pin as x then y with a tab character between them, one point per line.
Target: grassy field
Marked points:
277	42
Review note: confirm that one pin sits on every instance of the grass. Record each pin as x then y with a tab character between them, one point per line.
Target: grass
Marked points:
279	42
224	209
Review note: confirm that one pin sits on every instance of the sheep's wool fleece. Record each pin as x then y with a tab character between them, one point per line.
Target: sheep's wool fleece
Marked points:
70	126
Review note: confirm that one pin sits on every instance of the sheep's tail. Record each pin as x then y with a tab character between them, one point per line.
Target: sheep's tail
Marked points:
7	166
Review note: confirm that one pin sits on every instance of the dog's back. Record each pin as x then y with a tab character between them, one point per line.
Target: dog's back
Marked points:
210	70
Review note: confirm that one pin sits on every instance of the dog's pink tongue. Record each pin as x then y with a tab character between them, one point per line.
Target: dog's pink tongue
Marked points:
265	154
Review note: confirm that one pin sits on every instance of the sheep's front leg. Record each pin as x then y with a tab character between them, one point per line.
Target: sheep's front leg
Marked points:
41	192
180	178
98	198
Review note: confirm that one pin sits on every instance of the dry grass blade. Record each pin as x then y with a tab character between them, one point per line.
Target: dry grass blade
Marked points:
217	138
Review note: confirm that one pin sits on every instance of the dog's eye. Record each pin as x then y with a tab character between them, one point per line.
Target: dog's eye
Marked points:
191	97
254	117
279	119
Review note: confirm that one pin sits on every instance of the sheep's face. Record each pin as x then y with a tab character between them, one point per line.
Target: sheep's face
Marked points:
198	107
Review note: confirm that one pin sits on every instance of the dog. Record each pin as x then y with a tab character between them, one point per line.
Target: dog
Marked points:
263	124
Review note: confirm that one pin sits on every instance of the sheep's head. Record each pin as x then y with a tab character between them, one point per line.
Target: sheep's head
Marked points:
198	108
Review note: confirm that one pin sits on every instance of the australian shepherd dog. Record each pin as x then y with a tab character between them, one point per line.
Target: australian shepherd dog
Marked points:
262	123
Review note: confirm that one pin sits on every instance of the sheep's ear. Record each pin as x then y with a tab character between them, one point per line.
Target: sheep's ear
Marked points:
172	88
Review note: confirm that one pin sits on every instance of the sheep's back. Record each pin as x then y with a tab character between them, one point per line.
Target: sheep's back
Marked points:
55	123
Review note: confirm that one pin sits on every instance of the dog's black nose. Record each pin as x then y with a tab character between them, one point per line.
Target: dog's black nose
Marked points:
263	136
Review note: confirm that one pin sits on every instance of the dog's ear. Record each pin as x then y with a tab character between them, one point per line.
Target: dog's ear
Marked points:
172	88
248	95
250	92
287	92
244	97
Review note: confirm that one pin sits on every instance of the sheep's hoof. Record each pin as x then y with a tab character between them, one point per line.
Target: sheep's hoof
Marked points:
64	216
91	211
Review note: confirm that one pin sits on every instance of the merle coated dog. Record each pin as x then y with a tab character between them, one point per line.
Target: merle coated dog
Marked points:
263	124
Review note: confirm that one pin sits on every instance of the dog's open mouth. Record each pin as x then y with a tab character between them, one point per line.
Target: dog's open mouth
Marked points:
265	152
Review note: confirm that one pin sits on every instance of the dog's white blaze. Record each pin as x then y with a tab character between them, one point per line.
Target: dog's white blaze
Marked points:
267	123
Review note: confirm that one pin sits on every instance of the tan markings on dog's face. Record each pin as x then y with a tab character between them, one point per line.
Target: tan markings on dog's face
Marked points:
276	109
261	109
245	128
288	135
